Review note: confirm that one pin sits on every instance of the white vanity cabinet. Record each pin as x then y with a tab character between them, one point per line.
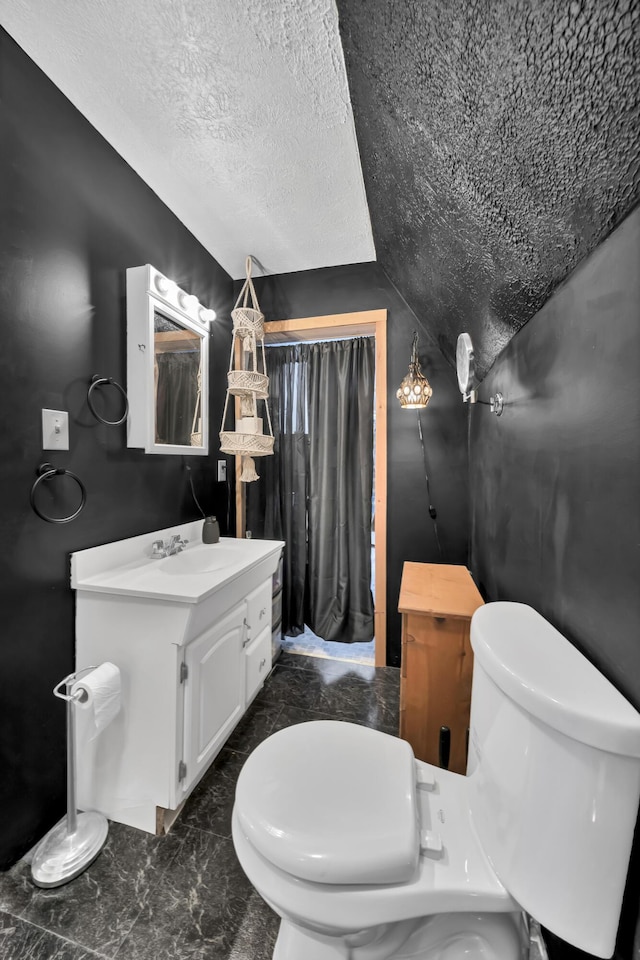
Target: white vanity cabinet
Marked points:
193	647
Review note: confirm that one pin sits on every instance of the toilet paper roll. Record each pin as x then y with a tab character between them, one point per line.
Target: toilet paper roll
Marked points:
101	697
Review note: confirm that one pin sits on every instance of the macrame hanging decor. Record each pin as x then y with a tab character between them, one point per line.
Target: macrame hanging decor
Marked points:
247	380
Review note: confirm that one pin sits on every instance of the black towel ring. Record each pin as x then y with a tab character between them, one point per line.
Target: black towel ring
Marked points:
97	381
46	471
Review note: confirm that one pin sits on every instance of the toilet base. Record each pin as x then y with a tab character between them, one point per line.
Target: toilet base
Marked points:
448	936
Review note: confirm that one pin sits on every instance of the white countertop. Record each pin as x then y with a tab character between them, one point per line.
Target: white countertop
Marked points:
126	568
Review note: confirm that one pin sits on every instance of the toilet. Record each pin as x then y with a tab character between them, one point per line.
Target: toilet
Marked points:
369	854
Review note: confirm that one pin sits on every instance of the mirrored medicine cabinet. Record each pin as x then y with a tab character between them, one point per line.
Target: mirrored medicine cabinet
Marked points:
167	366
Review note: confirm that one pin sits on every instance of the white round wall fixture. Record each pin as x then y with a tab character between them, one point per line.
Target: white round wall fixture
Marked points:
465	367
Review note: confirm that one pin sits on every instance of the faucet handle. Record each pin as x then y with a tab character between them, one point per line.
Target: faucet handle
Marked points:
158	549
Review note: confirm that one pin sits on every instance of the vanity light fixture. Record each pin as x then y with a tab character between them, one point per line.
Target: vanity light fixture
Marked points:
174	296
415	390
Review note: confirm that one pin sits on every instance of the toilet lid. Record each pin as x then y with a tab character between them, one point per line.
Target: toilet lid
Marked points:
332	802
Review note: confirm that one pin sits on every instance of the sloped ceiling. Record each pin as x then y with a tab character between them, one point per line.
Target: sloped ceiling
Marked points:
237	114
499	139
500	142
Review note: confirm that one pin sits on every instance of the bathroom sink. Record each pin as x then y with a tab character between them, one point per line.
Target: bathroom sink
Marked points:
205	558
126	567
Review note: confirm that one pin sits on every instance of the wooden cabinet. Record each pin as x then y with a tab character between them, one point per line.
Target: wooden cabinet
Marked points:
437	602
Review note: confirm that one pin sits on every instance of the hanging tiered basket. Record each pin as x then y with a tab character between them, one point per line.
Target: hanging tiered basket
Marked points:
250	385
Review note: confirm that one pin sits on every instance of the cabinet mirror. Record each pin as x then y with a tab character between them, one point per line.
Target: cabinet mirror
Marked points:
167	366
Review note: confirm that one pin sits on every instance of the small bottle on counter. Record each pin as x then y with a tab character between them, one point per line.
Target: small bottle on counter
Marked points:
210	530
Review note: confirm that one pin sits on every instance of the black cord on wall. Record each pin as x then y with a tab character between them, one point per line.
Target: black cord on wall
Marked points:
193	492
432	510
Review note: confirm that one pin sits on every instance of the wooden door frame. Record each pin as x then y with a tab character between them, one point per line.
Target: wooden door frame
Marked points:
364	323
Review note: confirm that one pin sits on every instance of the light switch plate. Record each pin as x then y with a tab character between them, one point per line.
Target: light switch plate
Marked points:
222	470
55	430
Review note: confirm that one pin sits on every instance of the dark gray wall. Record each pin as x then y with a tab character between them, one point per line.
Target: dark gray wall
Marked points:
444	422
73	217
555	481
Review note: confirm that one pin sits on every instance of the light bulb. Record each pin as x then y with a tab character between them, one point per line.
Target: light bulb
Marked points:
186	300
161	283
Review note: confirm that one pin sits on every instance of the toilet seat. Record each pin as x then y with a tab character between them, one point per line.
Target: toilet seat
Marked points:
332	802
458	880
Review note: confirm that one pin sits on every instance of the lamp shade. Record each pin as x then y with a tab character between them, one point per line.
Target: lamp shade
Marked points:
415	390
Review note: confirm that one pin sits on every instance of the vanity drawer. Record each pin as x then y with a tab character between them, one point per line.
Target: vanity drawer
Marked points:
259	610
258	662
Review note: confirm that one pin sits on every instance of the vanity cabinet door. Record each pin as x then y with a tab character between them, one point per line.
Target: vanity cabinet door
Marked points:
213	694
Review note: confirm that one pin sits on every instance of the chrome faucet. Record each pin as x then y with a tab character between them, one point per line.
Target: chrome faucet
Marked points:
176	544
167	548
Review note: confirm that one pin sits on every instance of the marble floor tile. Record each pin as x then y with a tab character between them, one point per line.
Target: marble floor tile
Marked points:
360	706
23	941
197	909
289	716
16	887
210	805
98	908
256	938
339	690
294	661
294	687
254	726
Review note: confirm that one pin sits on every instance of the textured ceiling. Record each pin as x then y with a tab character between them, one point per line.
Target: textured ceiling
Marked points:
237	114
500	142
499	138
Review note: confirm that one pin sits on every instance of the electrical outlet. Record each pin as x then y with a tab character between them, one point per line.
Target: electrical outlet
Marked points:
222	470
55	430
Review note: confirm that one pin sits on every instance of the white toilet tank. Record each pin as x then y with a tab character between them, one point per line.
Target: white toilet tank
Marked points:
554	767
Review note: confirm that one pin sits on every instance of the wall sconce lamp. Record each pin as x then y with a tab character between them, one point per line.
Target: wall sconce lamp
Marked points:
414	393
466	369
467	380
415	390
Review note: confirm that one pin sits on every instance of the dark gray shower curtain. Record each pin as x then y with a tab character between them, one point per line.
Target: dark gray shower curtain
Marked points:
177	390
315	493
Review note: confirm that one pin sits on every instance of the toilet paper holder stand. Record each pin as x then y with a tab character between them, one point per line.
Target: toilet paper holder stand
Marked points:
76	840
79	695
